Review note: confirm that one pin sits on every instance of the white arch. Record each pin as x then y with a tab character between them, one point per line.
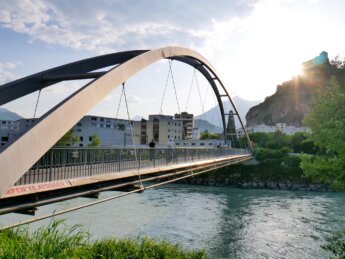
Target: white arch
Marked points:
19	157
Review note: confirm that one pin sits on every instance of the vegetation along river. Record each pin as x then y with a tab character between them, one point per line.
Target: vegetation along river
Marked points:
227	222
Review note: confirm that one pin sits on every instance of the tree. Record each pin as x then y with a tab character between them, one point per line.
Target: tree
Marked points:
273	140
301	143
68	139
95	141
208	135
338	62
327	122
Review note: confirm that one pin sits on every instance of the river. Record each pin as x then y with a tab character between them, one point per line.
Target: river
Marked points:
227	222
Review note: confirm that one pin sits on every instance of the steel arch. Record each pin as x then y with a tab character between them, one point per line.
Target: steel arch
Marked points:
18	157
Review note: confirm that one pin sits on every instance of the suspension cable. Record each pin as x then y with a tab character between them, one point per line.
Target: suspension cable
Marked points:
165	88
178	104
132	135
38	98
190	89
202	107
206	95
118	107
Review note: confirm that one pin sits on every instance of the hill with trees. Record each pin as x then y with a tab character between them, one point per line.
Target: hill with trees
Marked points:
293	99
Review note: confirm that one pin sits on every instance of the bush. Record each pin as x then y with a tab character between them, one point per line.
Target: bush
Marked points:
267	153
285	150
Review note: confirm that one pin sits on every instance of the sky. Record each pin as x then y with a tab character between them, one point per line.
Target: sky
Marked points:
254	45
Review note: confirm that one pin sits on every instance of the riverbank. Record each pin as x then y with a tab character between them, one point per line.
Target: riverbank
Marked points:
276	174
59	241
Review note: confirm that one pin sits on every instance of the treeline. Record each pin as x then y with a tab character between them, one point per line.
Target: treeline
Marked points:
323	150
278	144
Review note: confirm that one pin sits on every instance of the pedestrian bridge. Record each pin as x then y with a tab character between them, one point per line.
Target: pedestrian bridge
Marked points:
65	173
34	172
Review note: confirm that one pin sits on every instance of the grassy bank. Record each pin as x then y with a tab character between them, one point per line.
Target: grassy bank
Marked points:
59	241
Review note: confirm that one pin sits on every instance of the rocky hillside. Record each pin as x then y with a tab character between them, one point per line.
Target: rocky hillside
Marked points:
292	100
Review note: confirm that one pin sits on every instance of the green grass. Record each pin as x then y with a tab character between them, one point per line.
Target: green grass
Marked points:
59	241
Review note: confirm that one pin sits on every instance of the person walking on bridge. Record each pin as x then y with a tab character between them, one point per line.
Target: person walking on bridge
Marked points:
152	145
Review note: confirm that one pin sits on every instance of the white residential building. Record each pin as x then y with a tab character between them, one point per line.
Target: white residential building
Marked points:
282	127
187	120
112	132
159	128
10	130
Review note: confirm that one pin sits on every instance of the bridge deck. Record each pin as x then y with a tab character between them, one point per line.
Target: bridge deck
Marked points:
41	187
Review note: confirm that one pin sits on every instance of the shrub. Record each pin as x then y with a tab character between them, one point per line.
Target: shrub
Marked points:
267	153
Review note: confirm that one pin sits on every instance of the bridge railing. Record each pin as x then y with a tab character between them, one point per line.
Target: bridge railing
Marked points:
68	163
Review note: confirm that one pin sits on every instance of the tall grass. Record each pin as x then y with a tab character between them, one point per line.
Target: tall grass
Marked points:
59	241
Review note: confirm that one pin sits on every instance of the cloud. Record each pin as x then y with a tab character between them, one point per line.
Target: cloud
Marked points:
138	100
5	74
66	87
117	25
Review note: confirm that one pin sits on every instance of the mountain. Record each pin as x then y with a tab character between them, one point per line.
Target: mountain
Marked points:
293	99
8	115
203	125
213	115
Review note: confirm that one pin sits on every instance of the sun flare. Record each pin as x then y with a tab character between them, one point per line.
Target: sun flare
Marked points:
297	71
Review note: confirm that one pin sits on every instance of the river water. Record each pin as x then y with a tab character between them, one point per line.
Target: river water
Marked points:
227	222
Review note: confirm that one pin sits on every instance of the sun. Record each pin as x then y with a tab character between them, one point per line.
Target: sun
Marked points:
297	70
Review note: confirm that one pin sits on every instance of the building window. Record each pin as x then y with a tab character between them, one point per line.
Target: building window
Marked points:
90	138
202	144
79	124
81	138
4	139
168	136
78	130
80	145
121	126
107	126
93	118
